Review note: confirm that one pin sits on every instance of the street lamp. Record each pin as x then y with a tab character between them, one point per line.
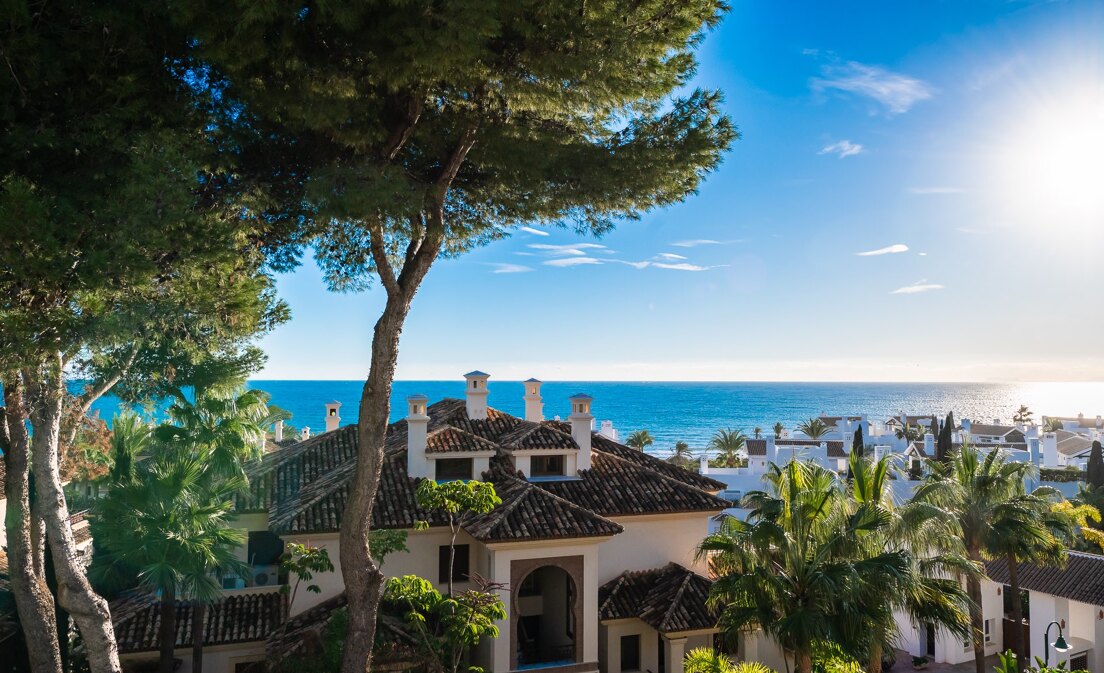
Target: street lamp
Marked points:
1059	645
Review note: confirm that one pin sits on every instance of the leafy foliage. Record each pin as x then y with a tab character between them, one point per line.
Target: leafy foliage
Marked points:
814	428
640	440
459	500
729	446
707	660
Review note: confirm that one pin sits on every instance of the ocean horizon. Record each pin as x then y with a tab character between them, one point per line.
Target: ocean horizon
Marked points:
692	411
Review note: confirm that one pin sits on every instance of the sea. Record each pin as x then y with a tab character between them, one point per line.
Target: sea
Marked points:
693	411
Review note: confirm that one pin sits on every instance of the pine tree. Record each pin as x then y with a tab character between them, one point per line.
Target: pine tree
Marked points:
422	129
945	442
857	442
1095	475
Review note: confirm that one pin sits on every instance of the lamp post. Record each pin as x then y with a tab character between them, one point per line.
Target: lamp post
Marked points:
1059	644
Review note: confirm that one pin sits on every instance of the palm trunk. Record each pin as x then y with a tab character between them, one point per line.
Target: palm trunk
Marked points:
166	631
75	593
874	662
977	626
1016	645
803	662
199	619
33	601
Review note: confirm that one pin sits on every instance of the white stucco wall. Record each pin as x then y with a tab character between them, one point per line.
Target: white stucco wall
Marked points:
609	660
652	542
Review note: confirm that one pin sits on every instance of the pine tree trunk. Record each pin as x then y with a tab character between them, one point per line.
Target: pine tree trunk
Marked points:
977	626
166	631
362	575
33	601
874	662
1017	645
199	619
75	593
803	662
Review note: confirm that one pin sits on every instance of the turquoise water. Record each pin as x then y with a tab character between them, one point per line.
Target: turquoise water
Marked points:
692	412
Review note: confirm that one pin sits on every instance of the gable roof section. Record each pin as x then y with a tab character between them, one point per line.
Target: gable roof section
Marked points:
758	447
1075	445
1081	580
670	599
235	618
531	513
448	439
607	445
992	430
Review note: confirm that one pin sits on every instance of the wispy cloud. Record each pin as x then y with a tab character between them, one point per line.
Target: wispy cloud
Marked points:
531	230
922	254
577	249
897	93
918	287
683	266
571	261
888	250
844	148
695	242
669	255
635	265
509	268
924	191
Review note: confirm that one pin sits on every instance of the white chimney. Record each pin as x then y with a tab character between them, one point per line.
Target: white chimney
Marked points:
278	431
929	445
772	450
1050	450
304	433
417	426
534	408
476	395
581	424
333	415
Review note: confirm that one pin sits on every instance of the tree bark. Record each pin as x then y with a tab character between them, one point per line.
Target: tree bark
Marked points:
33	601
977	626
166	631
1016	645
361	574
874	663
89	610
803	662
199	618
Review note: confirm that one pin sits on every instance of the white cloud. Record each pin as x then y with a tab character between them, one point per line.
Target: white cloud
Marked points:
526	254
693	243
635	265
669	255
572	261
683	266
844	148
922	254
935	190
509	268
897	93
918	287
576	249
531	230
889	249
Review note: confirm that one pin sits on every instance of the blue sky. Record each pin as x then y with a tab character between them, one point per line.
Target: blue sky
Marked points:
962	142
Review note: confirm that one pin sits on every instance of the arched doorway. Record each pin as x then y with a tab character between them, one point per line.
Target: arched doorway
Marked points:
546	605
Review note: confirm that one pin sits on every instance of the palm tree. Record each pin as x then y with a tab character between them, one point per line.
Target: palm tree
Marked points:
729	445
682	455
1022	415
995	517
1053	425
758	432
640	440
778	430
814	428
789	569
928	594
171	522
909	433
707	660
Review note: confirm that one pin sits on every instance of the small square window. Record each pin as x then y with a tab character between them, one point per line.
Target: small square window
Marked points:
461	565
546	466
451	469
630	653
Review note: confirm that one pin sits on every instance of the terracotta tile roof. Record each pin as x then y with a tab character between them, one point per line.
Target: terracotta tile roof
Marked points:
305	486
453	440
993	430
669	599
758	447
235	618
304	634
1081	580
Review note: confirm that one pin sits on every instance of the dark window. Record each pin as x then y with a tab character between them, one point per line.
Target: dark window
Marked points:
450	469
546	466
530	586
630	653
461	565
265	548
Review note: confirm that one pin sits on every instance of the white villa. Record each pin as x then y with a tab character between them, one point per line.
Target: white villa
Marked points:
595	541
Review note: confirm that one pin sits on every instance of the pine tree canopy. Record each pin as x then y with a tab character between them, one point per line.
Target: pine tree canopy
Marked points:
468	117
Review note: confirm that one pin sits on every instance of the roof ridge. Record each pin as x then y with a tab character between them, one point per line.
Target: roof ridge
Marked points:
681	484
530	488
678	594
619	581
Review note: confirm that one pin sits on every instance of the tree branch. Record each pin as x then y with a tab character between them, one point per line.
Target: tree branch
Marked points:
379	256
402	133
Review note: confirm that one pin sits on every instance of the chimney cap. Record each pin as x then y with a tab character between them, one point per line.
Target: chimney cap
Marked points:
333	403
417	397
580	396
532	380
475	373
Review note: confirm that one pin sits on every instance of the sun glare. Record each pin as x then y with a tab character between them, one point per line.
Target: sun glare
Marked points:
1049	167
